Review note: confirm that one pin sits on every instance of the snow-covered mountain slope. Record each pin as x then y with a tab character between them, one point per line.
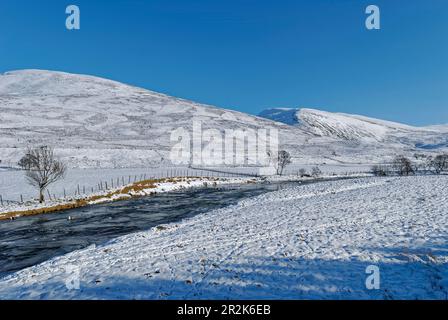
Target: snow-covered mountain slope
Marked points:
362	129
97	122
346	126
94	122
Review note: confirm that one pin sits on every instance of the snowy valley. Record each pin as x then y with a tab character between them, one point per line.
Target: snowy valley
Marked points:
296	236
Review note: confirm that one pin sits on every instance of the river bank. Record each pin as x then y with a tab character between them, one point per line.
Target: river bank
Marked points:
312	241
133	190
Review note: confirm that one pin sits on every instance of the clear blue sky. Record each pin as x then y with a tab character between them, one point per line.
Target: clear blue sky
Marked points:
248	55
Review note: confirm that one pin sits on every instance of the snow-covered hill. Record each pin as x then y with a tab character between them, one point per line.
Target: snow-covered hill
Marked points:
345	126
362	129
95	122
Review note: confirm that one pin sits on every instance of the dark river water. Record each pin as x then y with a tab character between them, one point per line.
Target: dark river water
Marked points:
31	240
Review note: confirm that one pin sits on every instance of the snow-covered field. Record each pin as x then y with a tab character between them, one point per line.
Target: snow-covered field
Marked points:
99	123
13	183
310	241
17	195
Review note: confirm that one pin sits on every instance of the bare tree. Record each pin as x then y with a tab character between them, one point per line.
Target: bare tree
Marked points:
403	166
43	169
302	172
316	172
280	161
284	158
25	162
379	170
439	163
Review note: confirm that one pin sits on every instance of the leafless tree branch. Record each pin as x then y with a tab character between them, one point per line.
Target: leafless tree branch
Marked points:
43	168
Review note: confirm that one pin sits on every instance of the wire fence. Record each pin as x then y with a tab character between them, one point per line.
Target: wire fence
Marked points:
107	184
104	185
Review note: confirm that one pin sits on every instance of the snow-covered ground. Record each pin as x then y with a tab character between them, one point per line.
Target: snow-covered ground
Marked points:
13	183
310	241
99	123
18	195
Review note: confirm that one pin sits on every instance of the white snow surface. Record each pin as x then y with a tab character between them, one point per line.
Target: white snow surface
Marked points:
357	128
99	123
305	242
94	122
14	185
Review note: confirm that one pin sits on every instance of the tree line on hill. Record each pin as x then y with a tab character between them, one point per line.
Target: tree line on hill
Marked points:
404	166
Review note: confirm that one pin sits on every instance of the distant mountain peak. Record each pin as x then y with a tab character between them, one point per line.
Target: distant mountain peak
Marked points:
340	125
283	115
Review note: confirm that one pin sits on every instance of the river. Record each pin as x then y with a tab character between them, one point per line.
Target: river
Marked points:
31	240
